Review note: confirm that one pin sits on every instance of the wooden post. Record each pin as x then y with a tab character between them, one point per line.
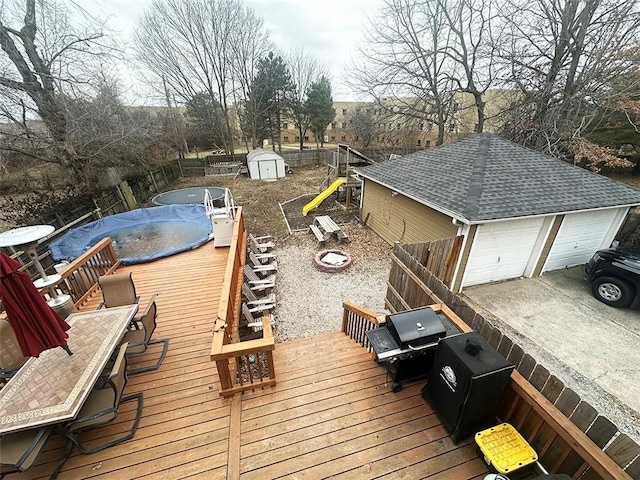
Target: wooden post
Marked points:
153	180
127	195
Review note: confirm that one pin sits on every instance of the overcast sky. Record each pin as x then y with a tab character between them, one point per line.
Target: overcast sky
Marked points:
330	29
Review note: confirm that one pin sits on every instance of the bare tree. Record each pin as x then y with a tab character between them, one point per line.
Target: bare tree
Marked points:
404	59
305	70
562	55
196	46
472	50
252	44
365	126
44	56
106	132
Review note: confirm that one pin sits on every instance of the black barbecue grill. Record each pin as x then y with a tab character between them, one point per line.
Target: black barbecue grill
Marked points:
407	343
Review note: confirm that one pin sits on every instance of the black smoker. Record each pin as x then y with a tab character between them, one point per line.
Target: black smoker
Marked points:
466	383
407	343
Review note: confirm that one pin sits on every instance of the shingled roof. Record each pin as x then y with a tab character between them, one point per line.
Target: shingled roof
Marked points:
485	177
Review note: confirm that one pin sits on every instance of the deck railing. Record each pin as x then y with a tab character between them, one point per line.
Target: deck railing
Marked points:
80	277
241	365
562	447
357	320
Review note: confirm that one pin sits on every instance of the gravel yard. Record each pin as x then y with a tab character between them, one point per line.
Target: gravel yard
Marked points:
310	301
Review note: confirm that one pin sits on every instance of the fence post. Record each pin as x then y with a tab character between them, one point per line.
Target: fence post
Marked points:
126	195
153	180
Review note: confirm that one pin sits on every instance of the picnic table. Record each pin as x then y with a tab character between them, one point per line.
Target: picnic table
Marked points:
324	227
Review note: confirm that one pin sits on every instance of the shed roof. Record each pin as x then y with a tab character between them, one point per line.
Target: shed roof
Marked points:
260	154
485	177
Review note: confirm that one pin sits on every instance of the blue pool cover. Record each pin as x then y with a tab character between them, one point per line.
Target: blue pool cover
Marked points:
140	235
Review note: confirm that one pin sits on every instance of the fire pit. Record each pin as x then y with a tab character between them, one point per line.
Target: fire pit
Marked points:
332	261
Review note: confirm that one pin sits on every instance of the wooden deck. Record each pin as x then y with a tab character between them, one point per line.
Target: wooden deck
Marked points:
329	415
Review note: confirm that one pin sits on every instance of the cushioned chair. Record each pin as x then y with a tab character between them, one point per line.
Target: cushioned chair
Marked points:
18	451
117	290
139	340
101	407
11	358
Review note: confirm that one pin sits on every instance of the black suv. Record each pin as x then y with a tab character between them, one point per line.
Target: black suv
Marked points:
614	274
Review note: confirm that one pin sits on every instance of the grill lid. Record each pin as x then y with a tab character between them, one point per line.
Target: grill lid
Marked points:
416	327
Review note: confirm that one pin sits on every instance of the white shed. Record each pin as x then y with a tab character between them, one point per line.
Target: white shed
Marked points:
263	164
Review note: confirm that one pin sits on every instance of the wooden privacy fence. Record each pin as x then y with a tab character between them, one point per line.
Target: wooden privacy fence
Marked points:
566	431
439	257
305	158
241	365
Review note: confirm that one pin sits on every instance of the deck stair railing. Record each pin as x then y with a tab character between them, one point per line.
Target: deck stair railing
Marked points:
357	320
561	445
241	365
80	277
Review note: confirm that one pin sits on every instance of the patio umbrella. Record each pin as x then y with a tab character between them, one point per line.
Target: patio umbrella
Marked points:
36	325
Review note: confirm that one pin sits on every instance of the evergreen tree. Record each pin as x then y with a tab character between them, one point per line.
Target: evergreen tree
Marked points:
207	122
320	108
271	94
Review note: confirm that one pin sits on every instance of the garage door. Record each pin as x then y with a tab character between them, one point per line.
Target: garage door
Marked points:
579	236
501	250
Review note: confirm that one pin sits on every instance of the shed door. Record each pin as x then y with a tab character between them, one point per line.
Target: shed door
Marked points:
501	250
267	169
579	236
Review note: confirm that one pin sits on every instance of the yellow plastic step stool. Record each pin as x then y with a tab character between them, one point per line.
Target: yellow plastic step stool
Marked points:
505	449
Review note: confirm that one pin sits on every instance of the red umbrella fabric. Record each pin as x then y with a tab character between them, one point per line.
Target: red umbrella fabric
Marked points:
37	326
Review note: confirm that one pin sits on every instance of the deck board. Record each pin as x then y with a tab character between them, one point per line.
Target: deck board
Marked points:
330	413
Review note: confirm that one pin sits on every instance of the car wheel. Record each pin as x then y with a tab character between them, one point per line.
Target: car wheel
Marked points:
613	291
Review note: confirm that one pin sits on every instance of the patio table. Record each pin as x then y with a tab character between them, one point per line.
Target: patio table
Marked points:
53	387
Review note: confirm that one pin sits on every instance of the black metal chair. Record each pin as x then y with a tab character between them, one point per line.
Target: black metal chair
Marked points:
139	340
101	407
19	451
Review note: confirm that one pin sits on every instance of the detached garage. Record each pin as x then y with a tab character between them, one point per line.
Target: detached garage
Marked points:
265	165
522	213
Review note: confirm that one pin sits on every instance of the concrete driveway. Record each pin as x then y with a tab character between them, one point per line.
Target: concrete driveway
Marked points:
591	347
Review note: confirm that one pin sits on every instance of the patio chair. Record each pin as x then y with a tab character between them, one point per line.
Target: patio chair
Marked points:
118	290
254	322
11	358
263	257
260	267
253	299
139	340
101	407
257	283
19	451
256	304
260	244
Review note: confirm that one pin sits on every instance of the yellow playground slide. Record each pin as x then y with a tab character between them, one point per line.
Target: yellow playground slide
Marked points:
322	196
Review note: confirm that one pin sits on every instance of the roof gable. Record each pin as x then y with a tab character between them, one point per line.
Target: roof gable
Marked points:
485	177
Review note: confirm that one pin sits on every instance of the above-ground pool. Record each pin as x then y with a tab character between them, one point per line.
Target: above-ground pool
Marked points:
188	196
141	235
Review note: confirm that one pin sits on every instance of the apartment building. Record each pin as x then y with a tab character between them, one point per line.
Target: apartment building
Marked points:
388	123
